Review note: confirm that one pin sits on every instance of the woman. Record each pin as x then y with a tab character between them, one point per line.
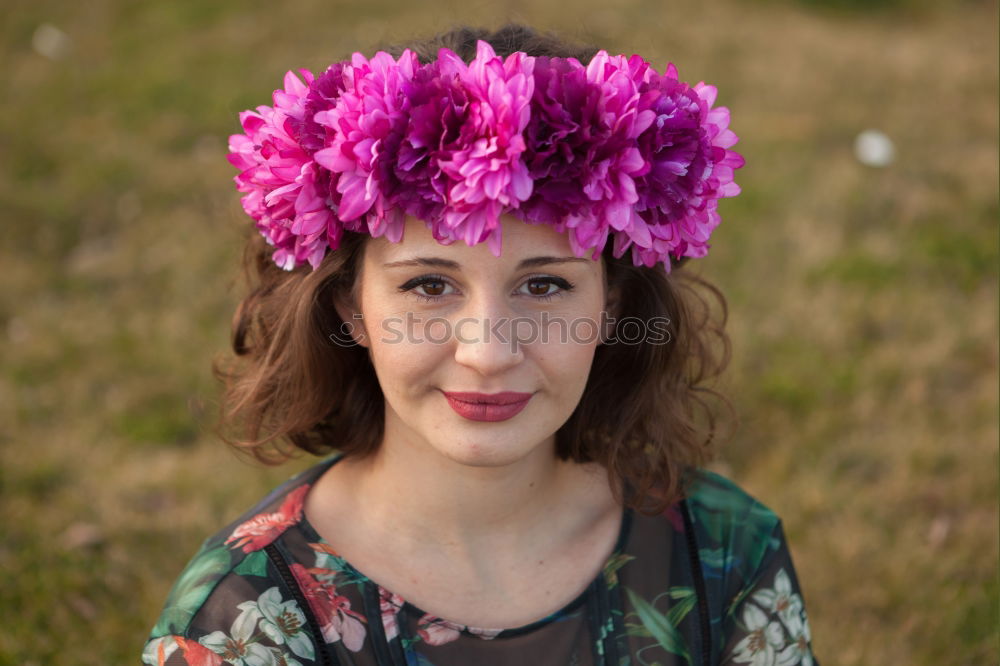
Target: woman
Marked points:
516	477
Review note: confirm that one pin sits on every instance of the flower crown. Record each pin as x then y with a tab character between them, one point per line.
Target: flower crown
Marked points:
610	148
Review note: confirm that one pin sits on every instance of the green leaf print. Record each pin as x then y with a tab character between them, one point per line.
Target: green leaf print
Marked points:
617	561
659	626
716	558
191	589
254	564
735	522
754	517
686	600
680	610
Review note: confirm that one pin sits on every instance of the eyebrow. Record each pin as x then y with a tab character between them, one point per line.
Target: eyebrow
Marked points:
448	263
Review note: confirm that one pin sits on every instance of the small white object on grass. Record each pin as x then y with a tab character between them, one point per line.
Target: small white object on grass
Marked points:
51	42
873	148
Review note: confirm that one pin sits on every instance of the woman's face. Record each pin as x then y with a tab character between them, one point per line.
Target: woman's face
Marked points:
443	322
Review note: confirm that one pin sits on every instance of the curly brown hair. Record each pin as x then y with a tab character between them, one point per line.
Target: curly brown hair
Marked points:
289	386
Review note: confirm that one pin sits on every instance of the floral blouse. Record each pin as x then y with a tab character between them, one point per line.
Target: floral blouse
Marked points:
710	581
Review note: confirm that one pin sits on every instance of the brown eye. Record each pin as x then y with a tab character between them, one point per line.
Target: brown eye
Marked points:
538	287
433	287
427	288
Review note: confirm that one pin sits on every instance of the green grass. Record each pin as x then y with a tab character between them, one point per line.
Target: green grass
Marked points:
863	302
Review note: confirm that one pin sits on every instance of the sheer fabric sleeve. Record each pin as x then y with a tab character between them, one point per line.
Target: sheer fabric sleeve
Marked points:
766	623
246	619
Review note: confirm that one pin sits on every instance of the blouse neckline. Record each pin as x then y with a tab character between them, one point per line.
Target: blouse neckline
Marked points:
487	633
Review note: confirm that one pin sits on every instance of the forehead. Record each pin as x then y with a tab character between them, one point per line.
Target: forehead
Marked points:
520	241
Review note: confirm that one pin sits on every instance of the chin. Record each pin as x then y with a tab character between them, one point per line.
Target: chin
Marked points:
488	453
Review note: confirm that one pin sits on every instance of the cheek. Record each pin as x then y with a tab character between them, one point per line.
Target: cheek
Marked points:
403	366
568	365
581	362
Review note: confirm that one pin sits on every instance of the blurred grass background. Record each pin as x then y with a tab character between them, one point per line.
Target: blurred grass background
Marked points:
863	300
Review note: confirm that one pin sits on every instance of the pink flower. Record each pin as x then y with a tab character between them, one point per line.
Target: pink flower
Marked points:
583	148
482	159
436	631
607	151
692	167
264	528
364	130
389	605
333	611
323	94
284	190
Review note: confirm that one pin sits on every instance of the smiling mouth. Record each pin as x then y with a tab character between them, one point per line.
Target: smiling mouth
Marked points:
502	398
487	407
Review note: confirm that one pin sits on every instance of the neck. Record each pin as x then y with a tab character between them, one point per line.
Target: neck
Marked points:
429	500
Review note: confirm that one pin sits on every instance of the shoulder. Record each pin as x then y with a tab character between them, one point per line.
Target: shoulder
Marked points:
230	575
733	529
260	525
718	501
748	576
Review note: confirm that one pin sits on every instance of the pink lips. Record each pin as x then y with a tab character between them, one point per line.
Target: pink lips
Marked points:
486	406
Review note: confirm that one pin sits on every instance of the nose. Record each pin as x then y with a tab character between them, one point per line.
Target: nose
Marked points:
486	337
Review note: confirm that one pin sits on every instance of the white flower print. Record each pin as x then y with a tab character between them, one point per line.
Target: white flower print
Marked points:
238	648
798	652
759	646
783	602
282	658
284	623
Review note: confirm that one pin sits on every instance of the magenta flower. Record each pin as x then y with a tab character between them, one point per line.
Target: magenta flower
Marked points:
691	169
284	190
583	148
482	160
607	151
437	111
323	94
364	130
